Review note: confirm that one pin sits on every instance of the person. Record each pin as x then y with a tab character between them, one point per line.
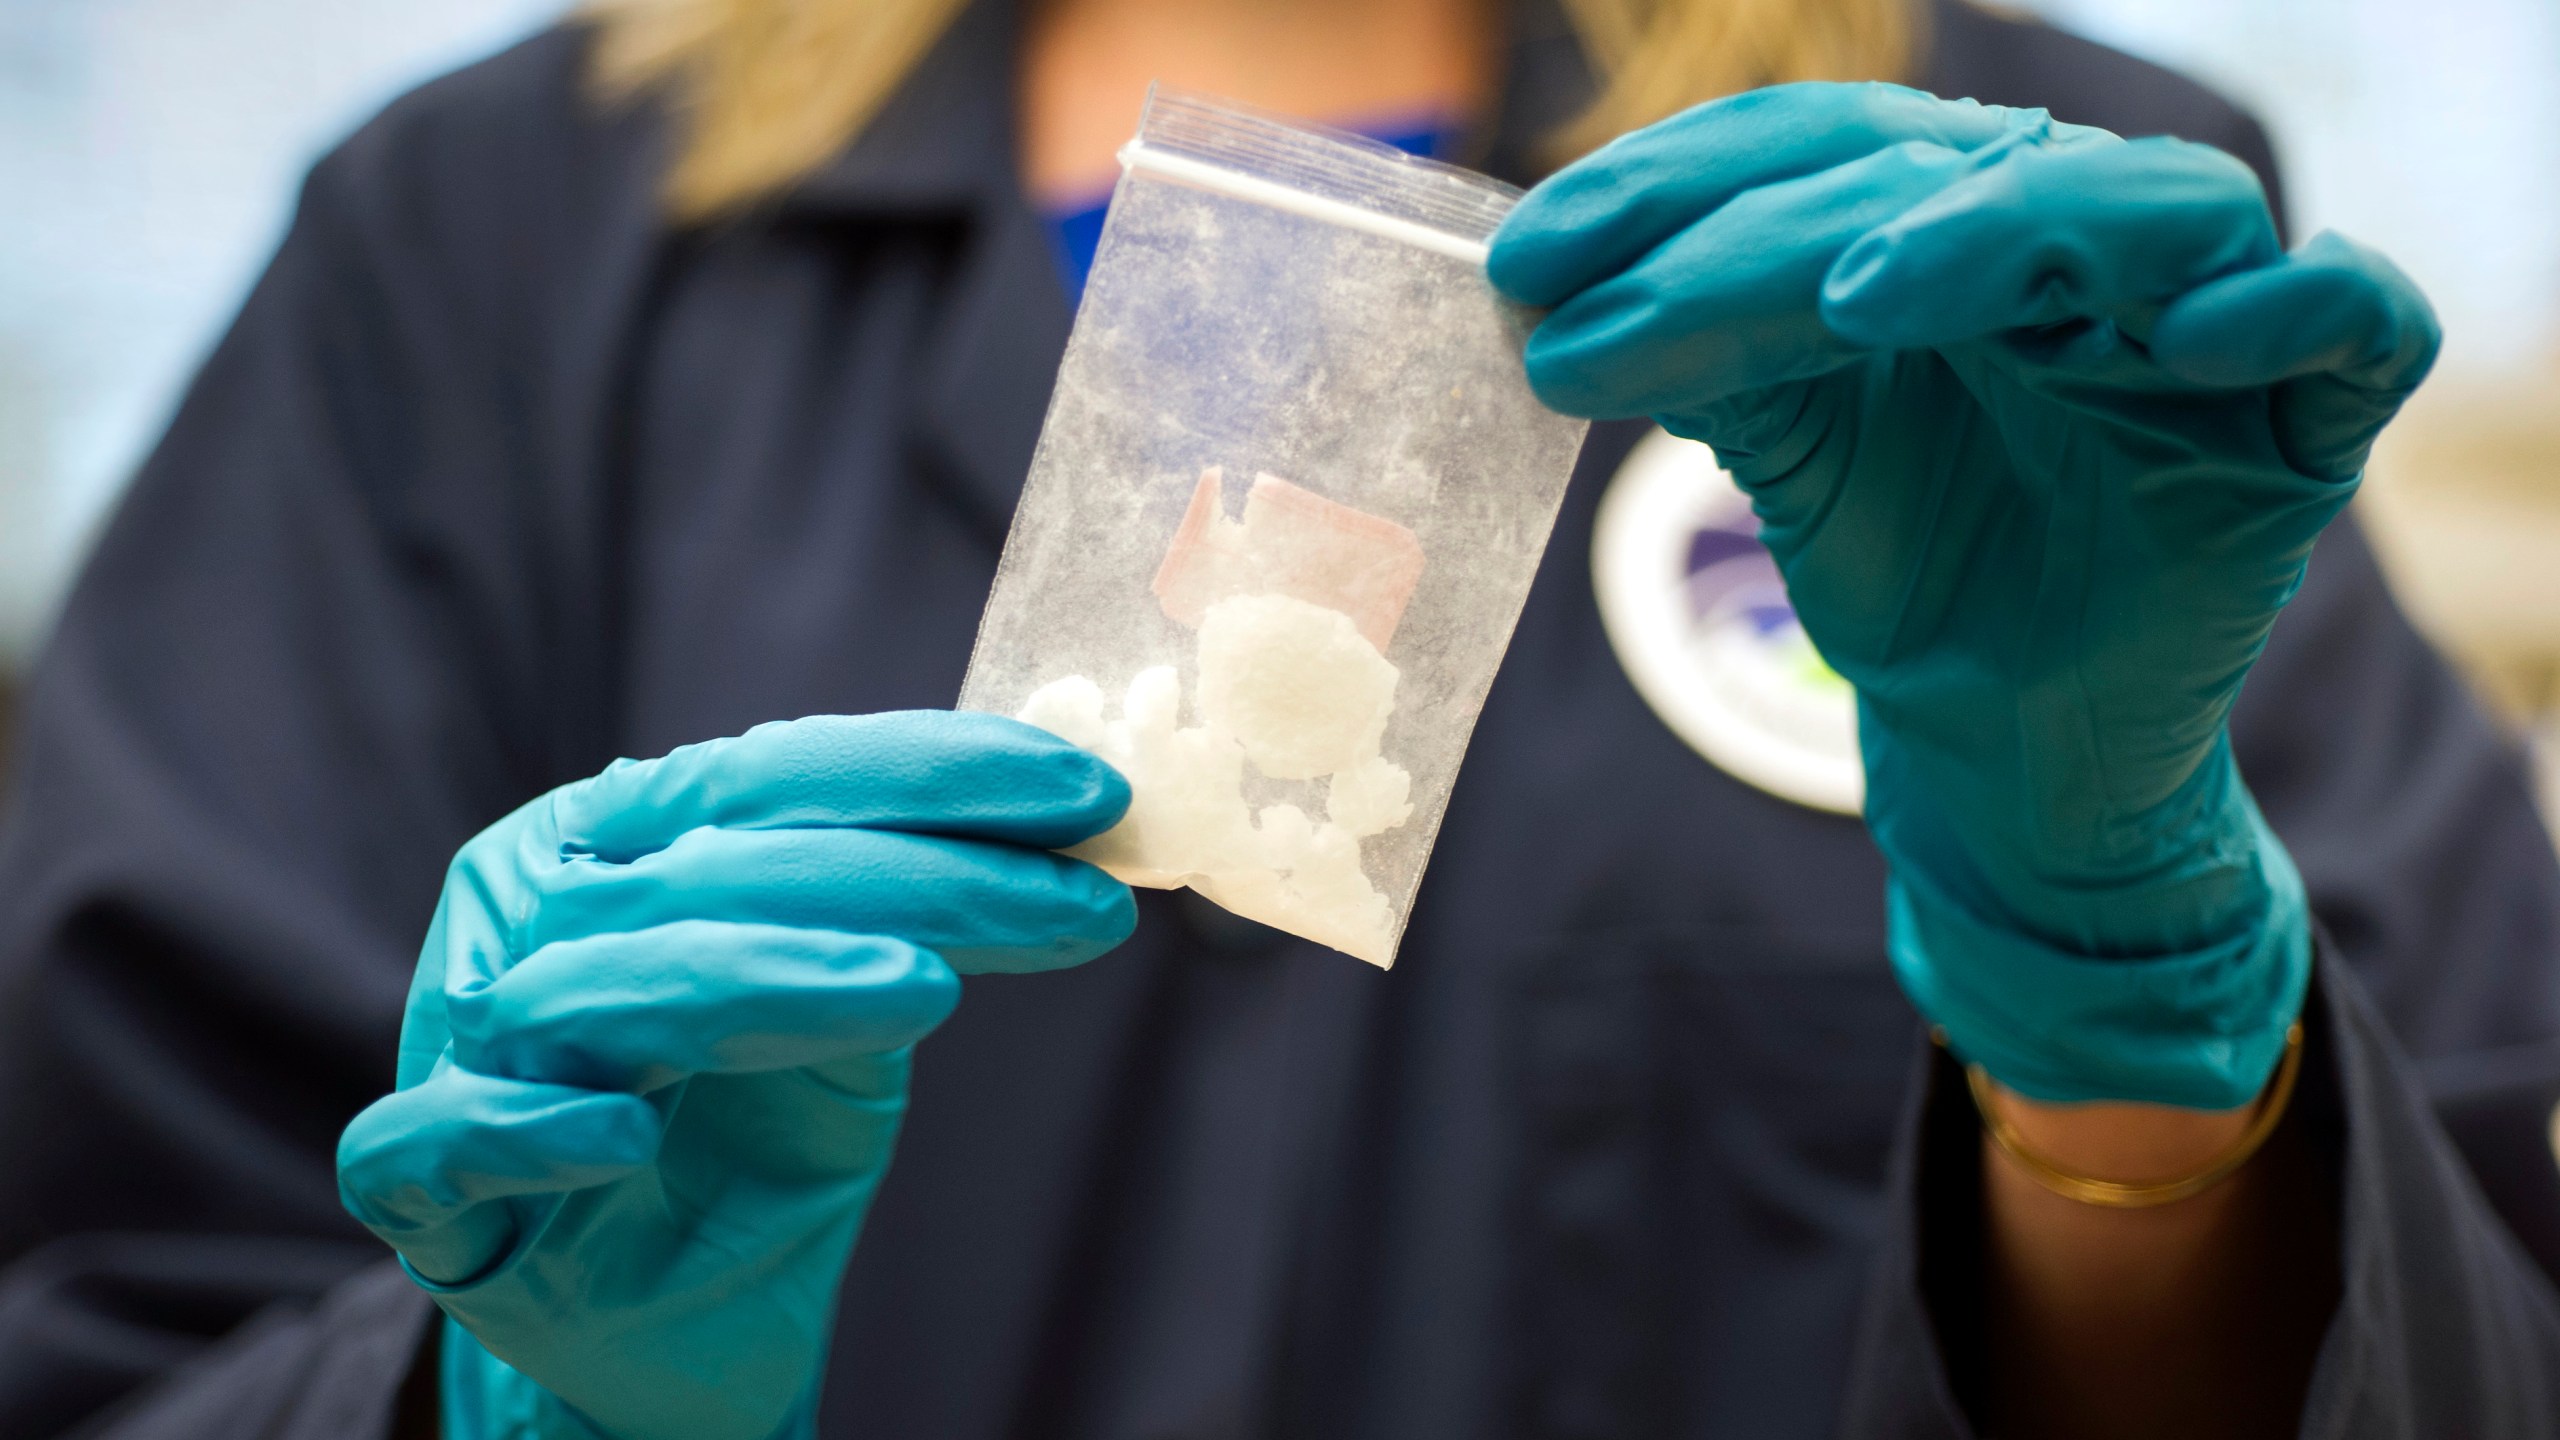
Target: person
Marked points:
669	377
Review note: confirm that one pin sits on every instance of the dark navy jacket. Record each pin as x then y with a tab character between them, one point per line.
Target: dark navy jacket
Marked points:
498	478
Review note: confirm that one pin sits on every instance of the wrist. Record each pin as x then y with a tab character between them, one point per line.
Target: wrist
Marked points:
2130	1157
2118	1141
481	1397
2065	858
2060	1020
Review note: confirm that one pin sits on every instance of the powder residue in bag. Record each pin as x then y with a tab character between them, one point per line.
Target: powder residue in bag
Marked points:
1293	607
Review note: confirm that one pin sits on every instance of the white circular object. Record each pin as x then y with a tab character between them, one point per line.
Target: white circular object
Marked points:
1699	618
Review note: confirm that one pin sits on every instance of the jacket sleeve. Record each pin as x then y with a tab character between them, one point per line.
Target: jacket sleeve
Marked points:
349	1367
320	644
2433	1067
2444	1325
2412	818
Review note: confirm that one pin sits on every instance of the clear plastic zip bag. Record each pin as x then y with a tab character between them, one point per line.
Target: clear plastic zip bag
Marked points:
1285	508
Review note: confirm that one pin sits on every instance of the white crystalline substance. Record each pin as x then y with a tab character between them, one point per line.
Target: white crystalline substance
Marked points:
1186	810
1294	683
1070	709
1370	798
1315	886
1295	689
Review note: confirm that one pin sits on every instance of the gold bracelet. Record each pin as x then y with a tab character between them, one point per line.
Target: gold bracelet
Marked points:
2116	1194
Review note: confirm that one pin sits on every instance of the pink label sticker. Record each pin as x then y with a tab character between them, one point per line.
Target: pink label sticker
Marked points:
1291	542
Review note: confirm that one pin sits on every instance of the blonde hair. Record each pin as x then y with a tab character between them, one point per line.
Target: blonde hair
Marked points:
1659	57
764	91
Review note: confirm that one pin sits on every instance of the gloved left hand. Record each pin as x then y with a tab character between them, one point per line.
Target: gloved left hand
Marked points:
2040	425
656	1054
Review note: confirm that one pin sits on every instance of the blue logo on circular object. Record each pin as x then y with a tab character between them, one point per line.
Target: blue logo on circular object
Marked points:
1700	620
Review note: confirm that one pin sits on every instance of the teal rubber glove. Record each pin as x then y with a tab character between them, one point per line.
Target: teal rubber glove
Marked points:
656	1054
2040	425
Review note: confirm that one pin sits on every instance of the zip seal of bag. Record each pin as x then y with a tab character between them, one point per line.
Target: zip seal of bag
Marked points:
1285	508
1363	184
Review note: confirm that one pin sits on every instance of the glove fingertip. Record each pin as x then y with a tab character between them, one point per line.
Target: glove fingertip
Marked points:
1530	259
419	1156
1581	359
1008	779
1110	907
627	1132
921	992
2332	307
1092	914
1081	796
1556	377
1856	303
1100	793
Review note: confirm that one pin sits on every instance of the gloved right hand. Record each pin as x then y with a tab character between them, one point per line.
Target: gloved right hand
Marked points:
2040	425
655	1054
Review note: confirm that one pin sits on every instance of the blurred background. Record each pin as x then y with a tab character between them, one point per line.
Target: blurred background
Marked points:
149	154
149	151
2433	131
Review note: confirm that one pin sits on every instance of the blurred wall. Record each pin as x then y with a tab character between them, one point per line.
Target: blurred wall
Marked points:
2430	128
149	151
2433	131
2463	502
